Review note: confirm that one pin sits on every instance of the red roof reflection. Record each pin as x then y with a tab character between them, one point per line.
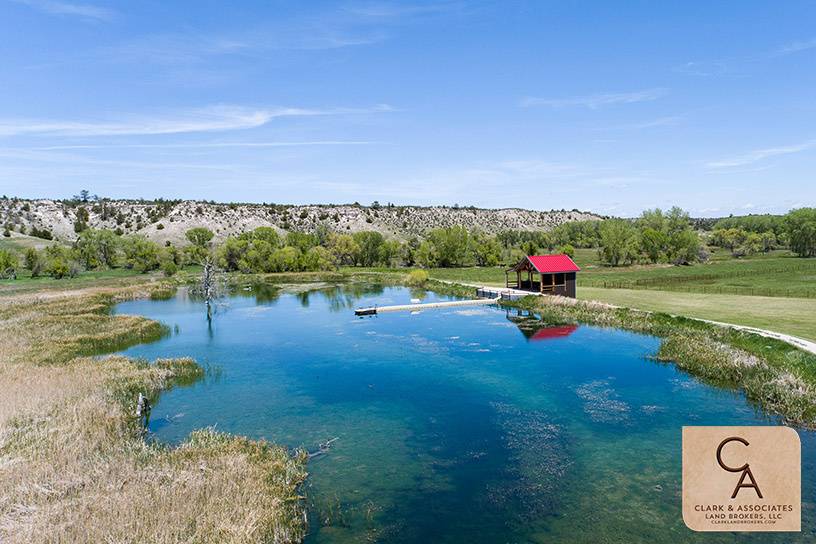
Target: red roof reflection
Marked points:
554	332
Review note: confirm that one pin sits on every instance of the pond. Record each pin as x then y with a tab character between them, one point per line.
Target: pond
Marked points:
459	425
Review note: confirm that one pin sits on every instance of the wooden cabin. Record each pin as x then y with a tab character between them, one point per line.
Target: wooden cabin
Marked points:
555	275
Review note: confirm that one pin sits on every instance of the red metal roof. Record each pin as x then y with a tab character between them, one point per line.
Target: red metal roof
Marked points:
548	333
551	264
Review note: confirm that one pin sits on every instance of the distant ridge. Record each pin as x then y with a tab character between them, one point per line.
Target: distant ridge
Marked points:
164	220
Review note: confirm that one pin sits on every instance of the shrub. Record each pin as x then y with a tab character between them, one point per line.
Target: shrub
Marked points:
169	268
43	233
417	278
58	268
8	264
34	262
567	250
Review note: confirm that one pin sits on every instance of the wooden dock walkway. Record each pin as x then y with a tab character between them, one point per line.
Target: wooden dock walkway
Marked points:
417	307
485	295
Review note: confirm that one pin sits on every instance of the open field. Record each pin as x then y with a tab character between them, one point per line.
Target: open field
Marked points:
775	275
778	275
76	467
21	242
117	277
795	316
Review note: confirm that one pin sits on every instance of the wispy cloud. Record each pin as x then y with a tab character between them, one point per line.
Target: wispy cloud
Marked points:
796	47
760	154
210	119
742	65
670	120
82	11
595	101
352	25
203	145
705	68
382	10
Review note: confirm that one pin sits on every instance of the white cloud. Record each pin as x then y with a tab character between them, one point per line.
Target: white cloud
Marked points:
760	154
57	7
213	118
596	101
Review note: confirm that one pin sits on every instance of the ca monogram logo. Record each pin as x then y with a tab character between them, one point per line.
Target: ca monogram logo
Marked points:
745	469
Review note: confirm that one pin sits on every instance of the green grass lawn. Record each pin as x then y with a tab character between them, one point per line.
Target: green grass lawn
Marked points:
796	316
94	278
20	242
777	274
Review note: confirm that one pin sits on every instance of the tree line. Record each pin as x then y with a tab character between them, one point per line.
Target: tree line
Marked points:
655	236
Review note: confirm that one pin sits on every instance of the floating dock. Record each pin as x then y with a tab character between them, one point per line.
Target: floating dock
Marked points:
374	310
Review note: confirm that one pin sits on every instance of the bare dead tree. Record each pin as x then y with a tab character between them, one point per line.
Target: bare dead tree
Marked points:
208	281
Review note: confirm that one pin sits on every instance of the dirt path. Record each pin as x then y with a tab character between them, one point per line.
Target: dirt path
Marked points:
800	343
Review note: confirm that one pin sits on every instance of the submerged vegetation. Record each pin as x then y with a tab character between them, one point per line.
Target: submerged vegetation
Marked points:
773	374
77	467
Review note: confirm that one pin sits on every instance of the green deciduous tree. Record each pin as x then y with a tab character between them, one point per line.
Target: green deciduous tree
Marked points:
486	249
344	248
98	248
318	258
619	242
369	243
425	255
800	227
199	236
285	259
451	245
141	254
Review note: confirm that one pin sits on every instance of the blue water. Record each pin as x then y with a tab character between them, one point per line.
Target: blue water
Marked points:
453	425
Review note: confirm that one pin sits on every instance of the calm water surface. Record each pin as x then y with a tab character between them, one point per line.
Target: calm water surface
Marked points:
453	425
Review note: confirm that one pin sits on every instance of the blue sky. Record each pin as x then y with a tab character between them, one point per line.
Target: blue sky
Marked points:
608	106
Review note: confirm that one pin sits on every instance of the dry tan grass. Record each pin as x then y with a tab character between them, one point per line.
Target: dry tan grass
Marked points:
74	466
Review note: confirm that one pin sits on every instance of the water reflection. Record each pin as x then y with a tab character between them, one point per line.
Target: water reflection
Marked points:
338	297
535	329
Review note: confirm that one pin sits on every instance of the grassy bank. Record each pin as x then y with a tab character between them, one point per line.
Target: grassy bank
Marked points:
796	316
76	467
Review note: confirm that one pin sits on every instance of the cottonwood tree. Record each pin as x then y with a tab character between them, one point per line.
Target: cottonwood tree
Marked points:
98	248
619	242
800	226
451	245
369	243
199	238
